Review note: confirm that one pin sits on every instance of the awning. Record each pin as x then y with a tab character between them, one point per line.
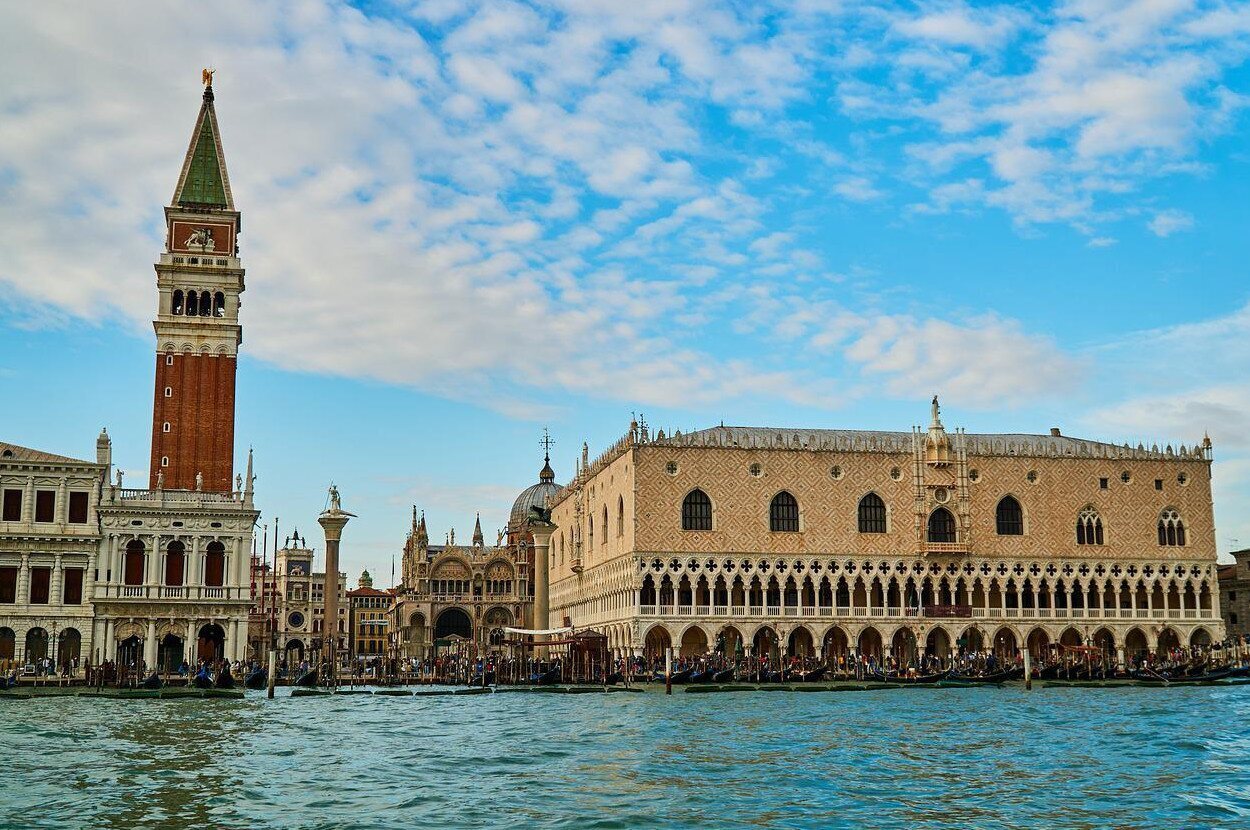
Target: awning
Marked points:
537	631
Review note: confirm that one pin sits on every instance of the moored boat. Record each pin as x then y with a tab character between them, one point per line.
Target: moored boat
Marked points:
723	676
153	681
913	679
308	679
202	679
224	679
256	679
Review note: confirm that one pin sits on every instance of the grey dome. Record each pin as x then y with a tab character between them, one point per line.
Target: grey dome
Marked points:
533	496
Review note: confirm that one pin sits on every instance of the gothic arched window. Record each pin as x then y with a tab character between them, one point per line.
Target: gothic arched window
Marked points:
176	306
604	539
620	515
1089	527
871	514
1009	517
696	511
783	514
1171	529
941	526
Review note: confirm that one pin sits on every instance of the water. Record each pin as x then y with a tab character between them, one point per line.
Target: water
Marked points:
914	758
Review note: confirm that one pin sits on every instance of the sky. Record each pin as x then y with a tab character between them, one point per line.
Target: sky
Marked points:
464	222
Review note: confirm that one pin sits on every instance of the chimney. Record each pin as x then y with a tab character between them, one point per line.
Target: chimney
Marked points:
1054	432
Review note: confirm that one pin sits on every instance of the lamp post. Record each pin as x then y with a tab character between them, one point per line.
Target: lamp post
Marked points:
332	522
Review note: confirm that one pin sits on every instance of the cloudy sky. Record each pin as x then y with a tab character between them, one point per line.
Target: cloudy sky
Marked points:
464	221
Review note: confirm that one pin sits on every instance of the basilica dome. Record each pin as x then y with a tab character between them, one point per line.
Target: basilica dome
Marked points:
533	496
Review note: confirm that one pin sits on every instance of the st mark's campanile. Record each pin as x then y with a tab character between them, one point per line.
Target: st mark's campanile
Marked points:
199	278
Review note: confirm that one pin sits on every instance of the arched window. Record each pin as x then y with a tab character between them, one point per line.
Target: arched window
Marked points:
783	514
176	306
590	534
206	304
193	303
1009	517
132	568
1089	527
696	511
871	514
219	304
620	515
941	526
215	565
1171	529
175	559
604	539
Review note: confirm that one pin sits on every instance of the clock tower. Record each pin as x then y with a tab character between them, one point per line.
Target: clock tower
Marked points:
199	279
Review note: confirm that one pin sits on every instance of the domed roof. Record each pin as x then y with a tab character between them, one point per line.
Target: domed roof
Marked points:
534	496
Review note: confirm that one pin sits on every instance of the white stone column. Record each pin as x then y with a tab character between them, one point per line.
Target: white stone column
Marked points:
149	645
23	581
195	567
88	579
188	643
151	576
55	582
61	514
108	648
232	649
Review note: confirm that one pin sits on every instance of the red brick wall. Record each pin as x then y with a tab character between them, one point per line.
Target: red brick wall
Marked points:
200	413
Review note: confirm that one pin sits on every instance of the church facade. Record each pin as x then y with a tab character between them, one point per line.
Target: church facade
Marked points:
164	568
764	541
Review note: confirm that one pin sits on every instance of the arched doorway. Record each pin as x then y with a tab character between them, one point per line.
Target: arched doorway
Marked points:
1200	638
453	622
1105	640
1169	641
938	644
765	644
170	653
8	643
903	647
69	647
129	652
1038	643
971	641
1134	644
294	652
693	642
729	642
657	641
1005	645
211	644
836	645
870	642
36	645
1070	637
801	643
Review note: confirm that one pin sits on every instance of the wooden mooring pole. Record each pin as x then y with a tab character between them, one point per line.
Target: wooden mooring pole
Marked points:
668	670
273	665
1028	669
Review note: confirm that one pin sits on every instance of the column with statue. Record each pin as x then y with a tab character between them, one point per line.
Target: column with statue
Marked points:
332	522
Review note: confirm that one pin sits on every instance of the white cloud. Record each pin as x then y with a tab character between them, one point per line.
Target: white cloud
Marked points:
1165	223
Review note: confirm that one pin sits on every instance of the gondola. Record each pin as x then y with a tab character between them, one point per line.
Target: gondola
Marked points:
225	680
1150	679
203	680
1052	672
1239	671
679	677
486	679
985	678
547	678
702	676
256	679
308	679
723	676
614	678
153	681
916	680
8	682
810	675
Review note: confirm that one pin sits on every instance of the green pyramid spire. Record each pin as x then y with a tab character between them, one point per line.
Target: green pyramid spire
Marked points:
204	182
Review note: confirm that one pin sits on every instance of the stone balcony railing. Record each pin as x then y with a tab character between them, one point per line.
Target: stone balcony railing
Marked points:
170	592
877	612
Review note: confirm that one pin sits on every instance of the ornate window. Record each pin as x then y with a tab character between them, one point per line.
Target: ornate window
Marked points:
941	526
871	514
1171	529
1089	527
696	511
620	515
1009	517
783	514
603	540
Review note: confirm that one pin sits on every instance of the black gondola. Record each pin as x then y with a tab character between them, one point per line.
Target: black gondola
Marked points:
308	679
702	676
258	678
548	678
225	680
202	680
810	675
982	678
153	681
723	676
914	680
614	678
1239	671
487	679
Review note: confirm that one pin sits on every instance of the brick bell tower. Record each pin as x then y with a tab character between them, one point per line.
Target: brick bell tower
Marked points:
199	278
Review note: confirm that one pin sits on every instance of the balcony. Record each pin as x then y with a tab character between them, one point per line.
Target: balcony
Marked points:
575	564
948	548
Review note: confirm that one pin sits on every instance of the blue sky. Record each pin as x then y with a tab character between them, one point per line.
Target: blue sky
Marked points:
464	221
